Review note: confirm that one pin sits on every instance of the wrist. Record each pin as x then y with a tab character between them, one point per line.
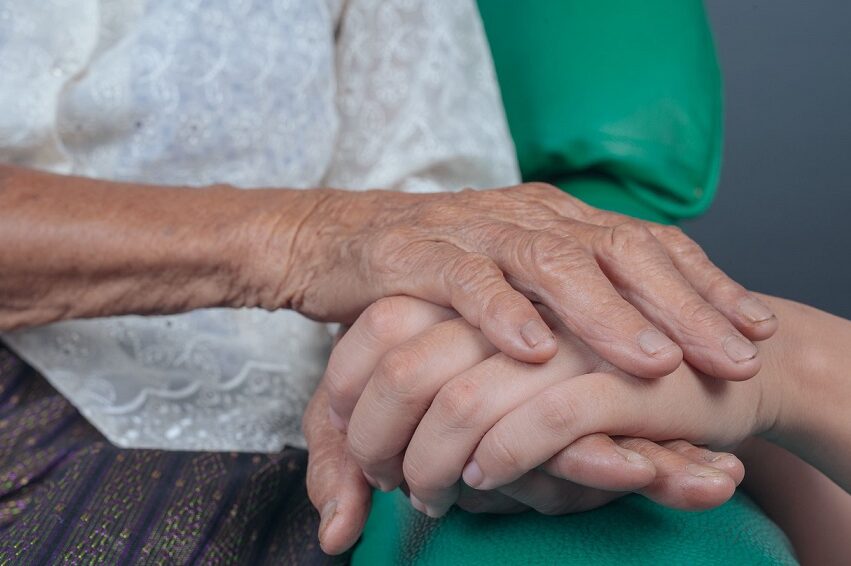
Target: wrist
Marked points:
277	241
79	248
797	363
808	388
787	356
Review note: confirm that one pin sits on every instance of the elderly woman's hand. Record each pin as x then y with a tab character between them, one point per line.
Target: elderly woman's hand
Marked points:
79	248
614	282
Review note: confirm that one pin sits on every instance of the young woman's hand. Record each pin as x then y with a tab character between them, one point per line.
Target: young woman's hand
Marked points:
341	492
430	386
674	473
801	400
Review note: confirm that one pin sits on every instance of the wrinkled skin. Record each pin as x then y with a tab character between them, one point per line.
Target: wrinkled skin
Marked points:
612	281
80	248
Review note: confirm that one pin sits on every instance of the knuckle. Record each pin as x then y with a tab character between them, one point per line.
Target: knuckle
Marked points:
553	201
681	446
629	237
669	232
504	453
699	314
339	386
680	244
459	403
385	317
471	272
719	285
397	371
553	253
544	191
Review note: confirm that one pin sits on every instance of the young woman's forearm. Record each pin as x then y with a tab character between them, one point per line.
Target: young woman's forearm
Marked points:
812	510
74	247
811	359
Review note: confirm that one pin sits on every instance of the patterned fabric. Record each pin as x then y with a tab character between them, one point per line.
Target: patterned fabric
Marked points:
359	94
67	496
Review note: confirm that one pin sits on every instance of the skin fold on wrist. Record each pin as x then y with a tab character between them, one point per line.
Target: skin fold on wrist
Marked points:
806	399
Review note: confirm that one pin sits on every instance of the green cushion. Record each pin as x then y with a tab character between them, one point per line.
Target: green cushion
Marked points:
629	531
630	90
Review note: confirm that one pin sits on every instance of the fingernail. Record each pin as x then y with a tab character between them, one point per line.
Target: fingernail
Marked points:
327	517
739	350
473	474
536	334
417	504
435	513
336	420
371	481
714	457
633	458
755	310
653	342
379	484
699	471
427	510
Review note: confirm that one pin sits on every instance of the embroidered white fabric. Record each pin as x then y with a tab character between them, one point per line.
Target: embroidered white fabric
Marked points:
288	93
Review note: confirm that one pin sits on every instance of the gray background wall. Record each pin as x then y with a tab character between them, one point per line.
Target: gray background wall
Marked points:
782	219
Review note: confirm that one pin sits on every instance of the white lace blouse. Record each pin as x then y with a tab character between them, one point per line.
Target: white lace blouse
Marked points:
290	93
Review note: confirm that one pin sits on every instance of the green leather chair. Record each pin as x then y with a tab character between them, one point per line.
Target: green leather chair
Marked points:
619	103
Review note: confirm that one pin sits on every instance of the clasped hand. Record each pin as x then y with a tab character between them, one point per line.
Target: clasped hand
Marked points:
440	411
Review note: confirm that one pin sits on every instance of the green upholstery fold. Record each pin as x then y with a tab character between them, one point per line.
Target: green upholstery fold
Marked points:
629	91
630	531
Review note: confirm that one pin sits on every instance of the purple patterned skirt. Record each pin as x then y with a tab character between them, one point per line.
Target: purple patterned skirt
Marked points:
67	496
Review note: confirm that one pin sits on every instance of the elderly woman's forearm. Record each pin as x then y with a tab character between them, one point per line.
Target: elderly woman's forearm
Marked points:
812	510
74	247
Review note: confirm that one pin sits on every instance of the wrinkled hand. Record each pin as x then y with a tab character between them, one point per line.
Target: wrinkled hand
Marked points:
612	281
335	484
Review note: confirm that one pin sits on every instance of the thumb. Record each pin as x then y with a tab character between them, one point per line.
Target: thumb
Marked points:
335	483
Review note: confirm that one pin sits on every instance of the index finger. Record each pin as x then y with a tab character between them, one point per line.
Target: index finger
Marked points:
556	417
385	324
557	268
